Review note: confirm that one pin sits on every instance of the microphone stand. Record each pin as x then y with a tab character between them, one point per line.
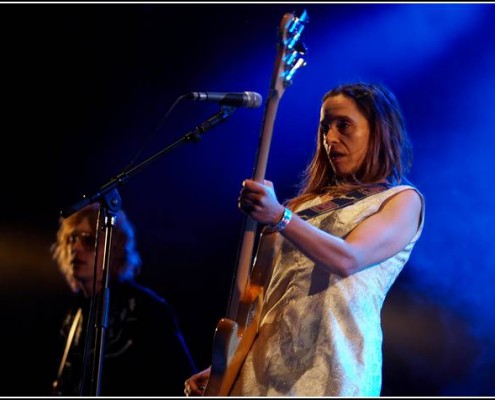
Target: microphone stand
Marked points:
110	203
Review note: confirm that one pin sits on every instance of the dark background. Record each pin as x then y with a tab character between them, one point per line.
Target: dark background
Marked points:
84	86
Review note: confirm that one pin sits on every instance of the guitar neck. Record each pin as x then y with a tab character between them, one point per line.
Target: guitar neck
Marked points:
251	226
286	63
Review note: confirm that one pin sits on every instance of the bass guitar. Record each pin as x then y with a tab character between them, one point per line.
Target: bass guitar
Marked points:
235	333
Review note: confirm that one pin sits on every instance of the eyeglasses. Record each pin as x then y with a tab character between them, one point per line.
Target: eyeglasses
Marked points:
85	238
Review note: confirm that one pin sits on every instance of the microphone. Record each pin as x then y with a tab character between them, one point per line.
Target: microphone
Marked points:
244	99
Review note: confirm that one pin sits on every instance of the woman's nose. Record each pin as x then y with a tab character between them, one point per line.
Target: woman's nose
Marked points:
331	136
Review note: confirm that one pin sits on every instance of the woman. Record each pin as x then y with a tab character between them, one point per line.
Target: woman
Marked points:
320	331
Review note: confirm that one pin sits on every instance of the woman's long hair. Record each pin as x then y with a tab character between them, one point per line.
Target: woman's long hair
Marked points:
389	153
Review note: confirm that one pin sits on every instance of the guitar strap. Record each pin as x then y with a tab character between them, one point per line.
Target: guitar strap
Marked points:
343	201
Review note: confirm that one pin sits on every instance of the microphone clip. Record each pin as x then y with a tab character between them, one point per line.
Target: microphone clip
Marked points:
217	118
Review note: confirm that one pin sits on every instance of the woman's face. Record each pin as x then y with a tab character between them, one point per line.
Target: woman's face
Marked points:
345	132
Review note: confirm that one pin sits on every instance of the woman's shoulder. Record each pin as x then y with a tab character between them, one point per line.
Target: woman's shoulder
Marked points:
406	188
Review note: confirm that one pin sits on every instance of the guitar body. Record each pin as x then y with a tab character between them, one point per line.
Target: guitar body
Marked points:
230	348
235	334
232	343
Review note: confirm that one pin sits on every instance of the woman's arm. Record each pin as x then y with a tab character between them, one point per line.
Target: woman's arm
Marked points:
375	239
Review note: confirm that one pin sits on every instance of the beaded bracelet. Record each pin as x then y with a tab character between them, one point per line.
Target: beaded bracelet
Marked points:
282	224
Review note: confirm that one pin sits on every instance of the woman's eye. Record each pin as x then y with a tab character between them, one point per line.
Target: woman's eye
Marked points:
343	125
324	128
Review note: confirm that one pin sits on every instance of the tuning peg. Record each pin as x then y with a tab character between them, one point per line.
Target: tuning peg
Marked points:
301	48
288	74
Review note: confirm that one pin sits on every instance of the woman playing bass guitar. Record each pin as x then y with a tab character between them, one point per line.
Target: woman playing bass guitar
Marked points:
320	329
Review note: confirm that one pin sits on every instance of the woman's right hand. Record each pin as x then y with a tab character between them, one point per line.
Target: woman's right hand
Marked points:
196	384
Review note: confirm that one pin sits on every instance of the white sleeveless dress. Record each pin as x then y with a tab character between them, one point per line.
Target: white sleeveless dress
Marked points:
320	333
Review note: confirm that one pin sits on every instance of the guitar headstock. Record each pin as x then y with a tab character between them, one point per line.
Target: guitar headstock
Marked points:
291	50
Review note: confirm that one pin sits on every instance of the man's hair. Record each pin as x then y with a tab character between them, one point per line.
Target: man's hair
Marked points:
125	260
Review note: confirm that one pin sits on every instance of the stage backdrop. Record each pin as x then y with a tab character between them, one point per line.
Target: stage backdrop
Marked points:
88	88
